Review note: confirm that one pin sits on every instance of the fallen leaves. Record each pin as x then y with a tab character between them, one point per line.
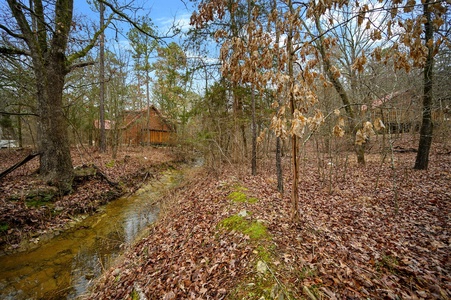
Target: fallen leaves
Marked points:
355	242
358	238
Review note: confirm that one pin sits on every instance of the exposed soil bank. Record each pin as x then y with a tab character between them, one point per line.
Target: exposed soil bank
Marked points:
31	212
66	265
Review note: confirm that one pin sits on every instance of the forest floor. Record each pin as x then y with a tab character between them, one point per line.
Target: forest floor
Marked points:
30	210
376	232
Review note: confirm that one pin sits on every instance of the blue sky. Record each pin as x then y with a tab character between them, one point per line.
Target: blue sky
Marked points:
162	12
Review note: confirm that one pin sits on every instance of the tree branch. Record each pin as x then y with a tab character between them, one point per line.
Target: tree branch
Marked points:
17	114
13	51
133	23
8	31
85	50
82	65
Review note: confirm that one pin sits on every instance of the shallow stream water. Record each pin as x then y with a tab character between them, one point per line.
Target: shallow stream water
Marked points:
65	266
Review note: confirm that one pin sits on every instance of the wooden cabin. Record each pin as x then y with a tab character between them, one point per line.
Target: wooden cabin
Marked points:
399	111
146	127
403	111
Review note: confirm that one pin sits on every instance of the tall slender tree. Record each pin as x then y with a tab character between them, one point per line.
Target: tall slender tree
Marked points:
102	138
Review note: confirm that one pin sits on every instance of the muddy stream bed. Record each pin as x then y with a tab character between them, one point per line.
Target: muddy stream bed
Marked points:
65	266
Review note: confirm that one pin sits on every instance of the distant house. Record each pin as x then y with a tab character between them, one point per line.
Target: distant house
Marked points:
402	111
399	111
146	127
109	125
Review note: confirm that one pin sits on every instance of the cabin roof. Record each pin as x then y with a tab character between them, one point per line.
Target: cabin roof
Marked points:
141	113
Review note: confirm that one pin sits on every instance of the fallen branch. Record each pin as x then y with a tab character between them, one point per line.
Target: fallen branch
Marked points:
17	165
102	175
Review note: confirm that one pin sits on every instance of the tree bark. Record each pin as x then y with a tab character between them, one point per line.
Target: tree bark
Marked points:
294	138
102	141
55	160
254	135
359	149
279	166
50	67
422	159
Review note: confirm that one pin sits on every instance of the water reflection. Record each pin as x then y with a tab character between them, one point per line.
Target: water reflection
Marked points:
65	266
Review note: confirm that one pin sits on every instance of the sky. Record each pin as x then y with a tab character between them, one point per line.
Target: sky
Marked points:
162	12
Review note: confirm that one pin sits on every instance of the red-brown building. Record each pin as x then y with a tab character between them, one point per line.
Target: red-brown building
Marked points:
146	127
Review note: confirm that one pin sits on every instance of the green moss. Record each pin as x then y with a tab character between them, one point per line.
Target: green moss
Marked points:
38	199
134	295
3	227
264	254
387	262
110	164
252	200
239	188
255	230
239	197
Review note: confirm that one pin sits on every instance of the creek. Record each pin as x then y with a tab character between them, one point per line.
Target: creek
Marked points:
65	266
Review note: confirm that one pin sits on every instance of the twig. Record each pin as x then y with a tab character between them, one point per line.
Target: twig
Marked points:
277	280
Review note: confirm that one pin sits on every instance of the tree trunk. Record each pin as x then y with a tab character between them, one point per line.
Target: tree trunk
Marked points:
360	151
102	142
55	160
279	165
422	159
294	138
254	135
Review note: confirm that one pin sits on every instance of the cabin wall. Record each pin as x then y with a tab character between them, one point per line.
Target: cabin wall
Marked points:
143	132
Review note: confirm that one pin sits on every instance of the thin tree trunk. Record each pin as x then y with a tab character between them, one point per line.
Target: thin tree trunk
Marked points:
279	145
422	159
279	166
254	136
359	149
294	138
102	142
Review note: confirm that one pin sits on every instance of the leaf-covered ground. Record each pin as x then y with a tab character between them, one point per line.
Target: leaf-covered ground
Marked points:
375	232
29	208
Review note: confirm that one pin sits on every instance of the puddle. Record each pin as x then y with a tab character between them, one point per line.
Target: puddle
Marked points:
64	267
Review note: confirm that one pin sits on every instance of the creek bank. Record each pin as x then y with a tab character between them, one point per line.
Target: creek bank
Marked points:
65	266
31	212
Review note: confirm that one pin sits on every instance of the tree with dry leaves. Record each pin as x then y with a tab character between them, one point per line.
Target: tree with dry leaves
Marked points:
300	55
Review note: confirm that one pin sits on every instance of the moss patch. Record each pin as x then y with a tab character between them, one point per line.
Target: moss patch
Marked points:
39	198
239	197
255	230
3	227
387	262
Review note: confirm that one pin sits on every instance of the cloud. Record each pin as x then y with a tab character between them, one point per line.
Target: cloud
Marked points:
178	22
